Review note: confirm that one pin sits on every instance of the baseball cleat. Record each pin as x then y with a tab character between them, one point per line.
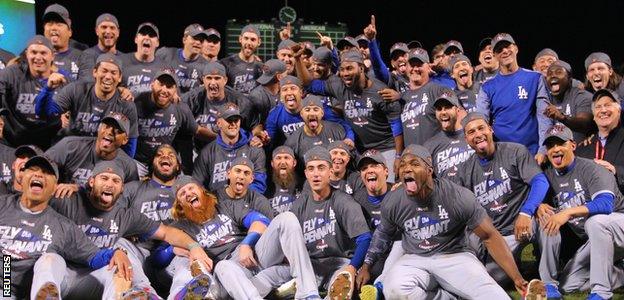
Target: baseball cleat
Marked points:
48	291
196	289
342	287
369	292
536	290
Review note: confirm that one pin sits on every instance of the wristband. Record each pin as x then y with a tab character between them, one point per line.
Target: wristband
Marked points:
193	245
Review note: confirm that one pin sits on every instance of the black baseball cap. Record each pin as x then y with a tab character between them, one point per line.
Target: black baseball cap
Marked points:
147	28
44	162
56	12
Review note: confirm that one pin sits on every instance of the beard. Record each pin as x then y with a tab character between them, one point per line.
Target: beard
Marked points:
166	177
204	213
284	181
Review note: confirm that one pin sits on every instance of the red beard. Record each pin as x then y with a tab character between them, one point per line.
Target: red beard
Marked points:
205	212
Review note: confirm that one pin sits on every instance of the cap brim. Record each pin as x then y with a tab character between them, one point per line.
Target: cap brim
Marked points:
25	150
53	16
449	48
115	122
367	159
602	93
264	79
552	137
440	100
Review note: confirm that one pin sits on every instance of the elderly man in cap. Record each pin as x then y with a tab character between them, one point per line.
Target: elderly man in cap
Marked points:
76	156
141	66
244	67
488	65
107	31
544	59
448	148
187	61
47	239
285	184
515	101
19	88
333	226
161	119
467	89
214	160
588	200
105	221
57	28
211	45
600	74
606	146
507	183
266	95
12	182
569	105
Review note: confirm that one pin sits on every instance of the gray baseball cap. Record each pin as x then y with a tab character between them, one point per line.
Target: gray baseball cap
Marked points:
56	12
119	120
182	181
560	63
43	161
242	161
285	44
361	39
473	116
167	73
108	166
106	17
283	150
597	57
40	40
110	58
214	68
457	58
270	69
250	28
370	155
453	44
28	151
195	30
146	27
486	41
338	145
317	153
605	92
414	44
502	37
289	79
352	56
447	96
419	54
418	151
322	55
546	51
211	32
229	110
310	100
399	47
558	132
346	41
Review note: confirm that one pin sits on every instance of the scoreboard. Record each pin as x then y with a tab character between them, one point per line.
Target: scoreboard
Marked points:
269	34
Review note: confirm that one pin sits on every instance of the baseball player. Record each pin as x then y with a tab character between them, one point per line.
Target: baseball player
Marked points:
440	66
448	148
507	183
39	240
586	198
18	89
89	102
433	215
488	65
107	31
467	89
346	44
19	157
244	67
106	221
285	54
544	59
211	45
57	28
515	101
569	105
140	67
267	94
187	61
285	185
333	227
343	176
214	160
600	74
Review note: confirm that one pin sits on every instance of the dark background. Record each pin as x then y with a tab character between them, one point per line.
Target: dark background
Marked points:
572	28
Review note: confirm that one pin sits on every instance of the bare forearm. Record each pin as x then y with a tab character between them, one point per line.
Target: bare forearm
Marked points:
498	249
176	237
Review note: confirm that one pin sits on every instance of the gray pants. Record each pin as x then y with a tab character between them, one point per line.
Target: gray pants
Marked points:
395	253
597	271
50	267
283	238
137	257
433	277
179	270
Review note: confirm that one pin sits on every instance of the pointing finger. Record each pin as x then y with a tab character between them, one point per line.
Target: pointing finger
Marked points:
372	20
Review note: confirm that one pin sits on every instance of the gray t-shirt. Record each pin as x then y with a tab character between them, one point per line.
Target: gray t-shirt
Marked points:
468	97
104	228
368	114
68	61
418	115
251	201
331	225
7	157
580	185
189	72
574	101
483	75
241	74
159	126
301	142
25	237
436	225
263	101
281	199
448	149
137	75
76	157
501	184
87	60
87	110
211	165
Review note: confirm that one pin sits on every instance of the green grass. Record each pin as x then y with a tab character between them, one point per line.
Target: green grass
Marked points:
527	264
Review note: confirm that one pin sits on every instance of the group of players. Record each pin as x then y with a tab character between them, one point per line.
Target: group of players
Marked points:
422	180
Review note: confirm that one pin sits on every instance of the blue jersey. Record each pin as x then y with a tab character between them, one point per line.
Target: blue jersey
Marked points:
515	104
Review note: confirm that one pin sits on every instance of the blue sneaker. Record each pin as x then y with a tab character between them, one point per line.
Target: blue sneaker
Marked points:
552	291
197	288
594	296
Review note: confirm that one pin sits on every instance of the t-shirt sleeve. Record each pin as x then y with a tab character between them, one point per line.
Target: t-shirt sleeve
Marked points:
583	102
131	112
263	206
188	121
59	152
65	96
600	181
350	216
77	247
527	166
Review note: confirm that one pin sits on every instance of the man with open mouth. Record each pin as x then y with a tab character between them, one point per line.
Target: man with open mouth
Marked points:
508	184
488	65
18	159
588	200
267	94
244	67
467	89
433	215
232	142
140	67
107	32
285	185
569	105
187	61
57	28
600	74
